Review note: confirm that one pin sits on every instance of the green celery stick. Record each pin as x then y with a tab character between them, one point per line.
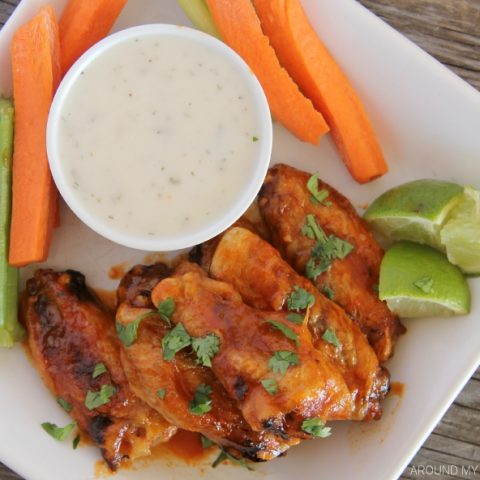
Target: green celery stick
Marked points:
198	13
10	329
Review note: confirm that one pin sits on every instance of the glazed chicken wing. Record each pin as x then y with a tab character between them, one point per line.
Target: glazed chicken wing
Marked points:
178	379
253	350
292	215
69	333
265	281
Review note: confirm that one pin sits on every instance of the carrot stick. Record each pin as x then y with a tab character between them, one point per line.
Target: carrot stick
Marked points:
310	64
82	24
36	72
240	29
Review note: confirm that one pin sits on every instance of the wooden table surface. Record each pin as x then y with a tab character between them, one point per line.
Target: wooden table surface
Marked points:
450	31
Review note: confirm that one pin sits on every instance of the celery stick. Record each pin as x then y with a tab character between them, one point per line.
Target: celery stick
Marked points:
198	13
10	329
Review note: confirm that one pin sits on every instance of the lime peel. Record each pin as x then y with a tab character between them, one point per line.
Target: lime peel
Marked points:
438	213
407	267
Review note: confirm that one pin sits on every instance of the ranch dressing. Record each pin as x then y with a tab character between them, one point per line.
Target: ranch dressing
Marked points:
157	136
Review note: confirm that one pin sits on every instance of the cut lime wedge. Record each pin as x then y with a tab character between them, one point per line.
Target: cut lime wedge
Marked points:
419	281
461	233
414	211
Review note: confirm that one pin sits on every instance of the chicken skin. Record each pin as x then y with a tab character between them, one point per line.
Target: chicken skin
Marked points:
180	377
328	242
265	281
252	350
69	334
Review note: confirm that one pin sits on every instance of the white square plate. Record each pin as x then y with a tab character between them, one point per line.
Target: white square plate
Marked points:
428	122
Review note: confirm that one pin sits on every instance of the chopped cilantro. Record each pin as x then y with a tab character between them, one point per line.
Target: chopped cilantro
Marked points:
255	139
99	369
295	318
318	196
206	442
300	299
201	402
328	292
224	455
206	348
67	406
59	433
75	442
316	427
270	385
287	331
281	360
174	341
161	393
166	309
330	337
313	268
425	284
97	399
312	230
326	249
128	333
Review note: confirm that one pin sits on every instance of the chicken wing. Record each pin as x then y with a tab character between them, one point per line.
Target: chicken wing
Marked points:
253	350
69	333
350	278
265	281
178	379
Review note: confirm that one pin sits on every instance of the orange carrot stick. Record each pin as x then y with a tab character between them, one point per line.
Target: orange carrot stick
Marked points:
310	64
36	72
84	23
240	28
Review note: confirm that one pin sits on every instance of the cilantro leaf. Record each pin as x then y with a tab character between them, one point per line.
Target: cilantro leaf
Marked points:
254	139
166	309
313	268
295	318
300	299
174	341
287	331
161	393
425	284
206	442
326	249
75	442
328	292
316	427
99	369
128	333
206	348
97	399
201	402
59	433
67	406
318	196
224	455
330	337
270	385
281	360
312	230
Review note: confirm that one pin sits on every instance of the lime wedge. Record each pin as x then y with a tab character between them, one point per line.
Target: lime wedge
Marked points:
414	211
419	281
461	233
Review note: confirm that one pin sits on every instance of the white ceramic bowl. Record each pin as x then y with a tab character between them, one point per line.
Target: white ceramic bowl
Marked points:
217	221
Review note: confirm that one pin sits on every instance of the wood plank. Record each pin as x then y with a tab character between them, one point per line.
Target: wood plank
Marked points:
6	10
447	29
